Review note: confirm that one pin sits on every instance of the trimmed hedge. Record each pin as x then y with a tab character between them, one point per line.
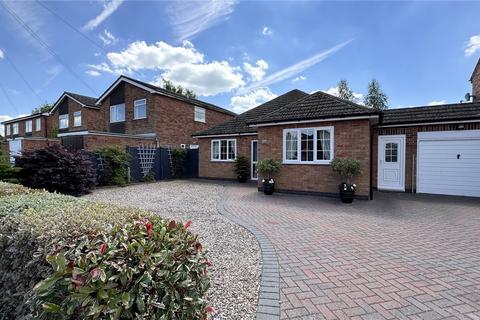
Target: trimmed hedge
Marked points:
35	225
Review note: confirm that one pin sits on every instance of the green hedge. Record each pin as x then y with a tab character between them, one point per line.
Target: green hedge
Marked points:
36	225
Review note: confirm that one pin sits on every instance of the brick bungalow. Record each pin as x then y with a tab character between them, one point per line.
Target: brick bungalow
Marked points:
431	149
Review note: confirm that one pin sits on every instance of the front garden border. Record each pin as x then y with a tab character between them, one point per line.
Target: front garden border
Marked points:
268	306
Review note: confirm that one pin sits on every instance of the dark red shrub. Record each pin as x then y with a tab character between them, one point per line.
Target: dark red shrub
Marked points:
57	169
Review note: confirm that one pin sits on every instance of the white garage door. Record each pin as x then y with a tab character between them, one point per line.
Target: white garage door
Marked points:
449	163
15	148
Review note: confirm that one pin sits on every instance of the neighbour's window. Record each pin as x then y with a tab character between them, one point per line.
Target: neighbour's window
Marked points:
224	150
199	114
15	128
117	113
28	126
63	121
38	124
7	130
77	118
391	152
140	109
308	145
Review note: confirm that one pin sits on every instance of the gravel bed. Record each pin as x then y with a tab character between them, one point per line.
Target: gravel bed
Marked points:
234	252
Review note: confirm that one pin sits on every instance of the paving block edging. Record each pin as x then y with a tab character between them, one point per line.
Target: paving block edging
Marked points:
268	306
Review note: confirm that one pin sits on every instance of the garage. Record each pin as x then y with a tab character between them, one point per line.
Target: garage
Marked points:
15	149
449	163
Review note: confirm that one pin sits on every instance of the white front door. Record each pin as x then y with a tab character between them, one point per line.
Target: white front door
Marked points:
15	149
254	159
391	163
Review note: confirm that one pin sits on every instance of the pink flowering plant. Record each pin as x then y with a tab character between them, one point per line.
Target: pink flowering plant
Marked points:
147	269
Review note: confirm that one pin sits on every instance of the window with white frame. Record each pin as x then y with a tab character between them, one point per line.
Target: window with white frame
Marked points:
200	114
224	150
117	113
38	124
15	128
77	118
7	130
140	109
63	121
308	145
28	126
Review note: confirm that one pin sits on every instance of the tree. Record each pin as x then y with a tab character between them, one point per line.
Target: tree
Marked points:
178	89
45	107
344	91
376	98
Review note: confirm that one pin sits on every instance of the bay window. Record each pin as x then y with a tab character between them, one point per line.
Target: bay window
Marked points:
308	145
224	150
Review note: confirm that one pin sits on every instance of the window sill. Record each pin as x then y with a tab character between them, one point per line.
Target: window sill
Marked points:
316	163
222	161
200	121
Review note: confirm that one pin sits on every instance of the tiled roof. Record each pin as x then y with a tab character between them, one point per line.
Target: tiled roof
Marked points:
318	105
180	97
88	101
239	124
446	112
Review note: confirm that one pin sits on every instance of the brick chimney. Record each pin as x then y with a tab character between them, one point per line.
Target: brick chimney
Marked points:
475	80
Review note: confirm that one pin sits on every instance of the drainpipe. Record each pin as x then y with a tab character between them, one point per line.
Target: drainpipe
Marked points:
371	163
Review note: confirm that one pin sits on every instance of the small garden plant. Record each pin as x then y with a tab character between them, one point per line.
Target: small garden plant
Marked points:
347	168
242	168
268	168
55	168
114	167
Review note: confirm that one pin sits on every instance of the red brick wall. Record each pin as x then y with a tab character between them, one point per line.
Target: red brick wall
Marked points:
410	148
35	144
351	139
476	84
22	127
172	120
91	118
94	142
219	169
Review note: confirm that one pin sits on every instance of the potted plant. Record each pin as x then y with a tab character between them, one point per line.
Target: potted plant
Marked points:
268	167
242	168
347	168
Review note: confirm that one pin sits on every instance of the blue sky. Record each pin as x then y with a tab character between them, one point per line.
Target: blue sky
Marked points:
237	54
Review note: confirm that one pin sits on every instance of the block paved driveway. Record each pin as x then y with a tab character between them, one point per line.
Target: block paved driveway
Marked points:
401	256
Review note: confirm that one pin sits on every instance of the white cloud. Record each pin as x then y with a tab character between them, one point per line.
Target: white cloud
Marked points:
189	18
251	99
107	38
140	55
296	68
334	92
93	73
473	45
2	55
206	79
182	65
108	8
266	31
256	73
299	78
437	102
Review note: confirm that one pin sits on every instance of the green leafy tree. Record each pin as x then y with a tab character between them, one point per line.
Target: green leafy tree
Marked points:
45	107
178	89
376	98
344	91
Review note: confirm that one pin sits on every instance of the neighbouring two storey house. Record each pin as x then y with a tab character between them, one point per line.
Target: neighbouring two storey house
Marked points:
428	149
129	113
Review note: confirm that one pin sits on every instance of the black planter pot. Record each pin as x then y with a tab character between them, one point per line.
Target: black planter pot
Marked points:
268	188
242	179
347	195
